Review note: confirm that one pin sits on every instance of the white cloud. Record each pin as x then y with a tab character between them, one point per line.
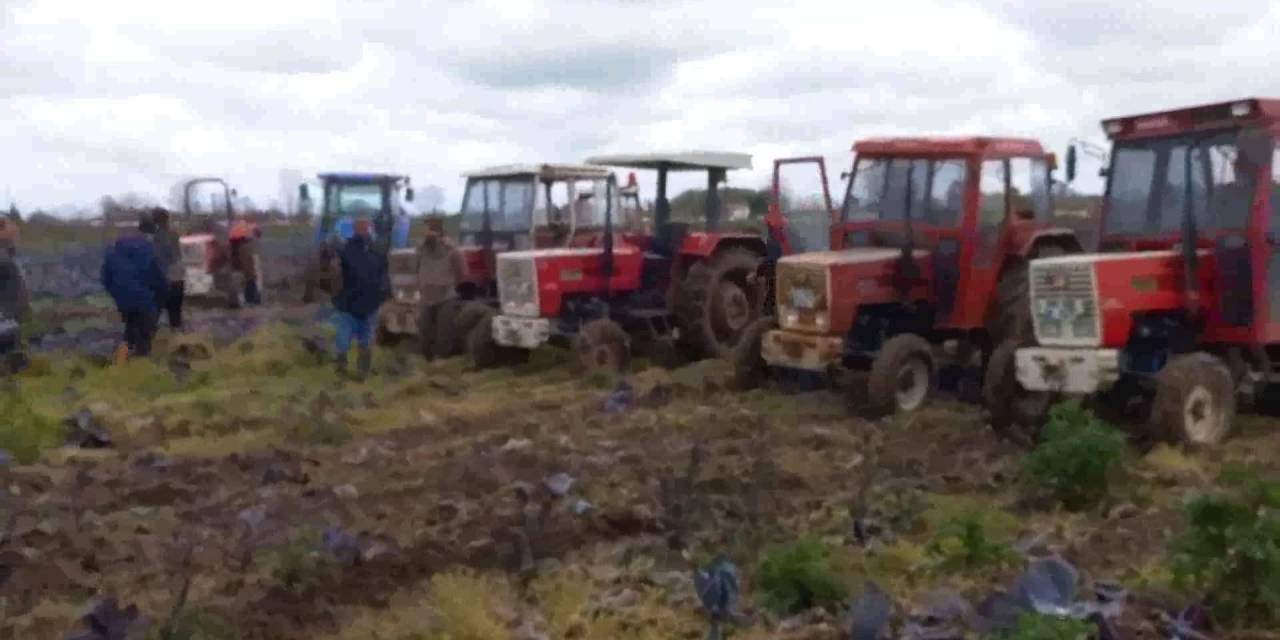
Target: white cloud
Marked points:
128	95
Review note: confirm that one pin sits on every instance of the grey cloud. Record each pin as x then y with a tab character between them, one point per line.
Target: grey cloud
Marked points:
600	67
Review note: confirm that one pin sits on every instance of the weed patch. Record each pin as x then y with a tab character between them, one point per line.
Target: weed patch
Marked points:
965	543
24	433
1230	553
797	577
1077	459
1043	627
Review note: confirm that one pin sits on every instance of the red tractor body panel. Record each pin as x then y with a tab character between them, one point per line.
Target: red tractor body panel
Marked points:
564	272
703	244
843	281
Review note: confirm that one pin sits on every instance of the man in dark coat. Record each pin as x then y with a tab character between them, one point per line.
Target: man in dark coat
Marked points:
364	286
137	284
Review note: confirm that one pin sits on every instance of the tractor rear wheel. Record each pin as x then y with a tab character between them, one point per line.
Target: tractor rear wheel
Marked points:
749	367
717	302
1016	413
1011	315
485	353
443	336
601	348
1195	401
902	375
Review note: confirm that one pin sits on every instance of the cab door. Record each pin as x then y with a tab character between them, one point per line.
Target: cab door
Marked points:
1269	249
800	217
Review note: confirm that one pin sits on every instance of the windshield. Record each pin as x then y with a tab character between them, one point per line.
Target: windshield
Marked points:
508	201
888	189
353	199
1154	183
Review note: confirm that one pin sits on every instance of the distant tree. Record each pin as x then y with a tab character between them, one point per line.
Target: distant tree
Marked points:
14	215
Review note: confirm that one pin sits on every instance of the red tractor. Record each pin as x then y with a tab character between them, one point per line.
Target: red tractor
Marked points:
209	249
691	292
1180	309
928	265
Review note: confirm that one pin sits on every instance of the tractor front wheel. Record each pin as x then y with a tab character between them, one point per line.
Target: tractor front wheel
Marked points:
440	336
718	301
749	367
485	353
601	348
1016	413
1195	401
902	375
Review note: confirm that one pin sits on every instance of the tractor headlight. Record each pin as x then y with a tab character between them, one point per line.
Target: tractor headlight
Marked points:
790	318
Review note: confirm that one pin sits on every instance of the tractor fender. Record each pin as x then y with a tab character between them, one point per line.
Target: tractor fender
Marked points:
704	244
1026	244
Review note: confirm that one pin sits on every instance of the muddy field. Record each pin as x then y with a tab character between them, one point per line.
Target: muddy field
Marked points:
234	487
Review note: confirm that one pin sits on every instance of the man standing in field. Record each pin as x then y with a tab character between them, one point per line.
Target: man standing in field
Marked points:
169	254
364	286
131	274
440	270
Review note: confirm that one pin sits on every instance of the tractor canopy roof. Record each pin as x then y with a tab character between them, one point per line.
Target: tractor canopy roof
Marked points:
949	146
541	172
1237	113
351	177
676	160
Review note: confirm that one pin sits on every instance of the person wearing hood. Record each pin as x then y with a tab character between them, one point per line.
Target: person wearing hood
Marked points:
365	284
133	277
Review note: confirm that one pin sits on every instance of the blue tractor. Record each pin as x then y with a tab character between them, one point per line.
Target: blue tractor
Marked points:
381	197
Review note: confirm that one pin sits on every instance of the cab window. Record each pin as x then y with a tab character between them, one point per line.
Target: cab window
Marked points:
991	206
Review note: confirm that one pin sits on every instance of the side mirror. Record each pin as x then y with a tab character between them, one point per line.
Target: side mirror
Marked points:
844	175
1071	163
408	194
304	193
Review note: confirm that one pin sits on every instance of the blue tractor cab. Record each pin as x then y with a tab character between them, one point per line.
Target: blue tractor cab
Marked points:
347	196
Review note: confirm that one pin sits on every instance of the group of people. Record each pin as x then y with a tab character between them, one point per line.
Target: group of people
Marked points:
143	272
365	284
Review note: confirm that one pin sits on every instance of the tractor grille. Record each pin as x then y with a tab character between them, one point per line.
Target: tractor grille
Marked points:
193	254
1064	303
802	296
517	286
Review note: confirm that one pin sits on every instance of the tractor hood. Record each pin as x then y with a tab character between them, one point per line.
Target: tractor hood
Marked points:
1091	300
535	283
820	292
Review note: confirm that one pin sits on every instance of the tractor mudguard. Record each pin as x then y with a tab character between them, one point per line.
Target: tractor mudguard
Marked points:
1025	243
703	244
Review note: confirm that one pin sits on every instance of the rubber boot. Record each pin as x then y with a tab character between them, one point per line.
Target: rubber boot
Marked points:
340	363
364	360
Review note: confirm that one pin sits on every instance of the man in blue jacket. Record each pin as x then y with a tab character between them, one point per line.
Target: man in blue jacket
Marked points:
364	286
133	277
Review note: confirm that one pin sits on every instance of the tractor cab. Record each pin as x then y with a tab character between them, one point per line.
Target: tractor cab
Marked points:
928	248
523	207
1181	306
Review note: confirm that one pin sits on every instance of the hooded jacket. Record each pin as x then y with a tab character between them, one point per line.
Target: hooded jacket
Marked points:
365	282
131	274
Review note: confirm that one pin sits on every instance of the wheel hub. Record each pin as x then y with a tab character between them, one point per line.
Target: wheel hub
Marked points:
1200	416
732	310
913	385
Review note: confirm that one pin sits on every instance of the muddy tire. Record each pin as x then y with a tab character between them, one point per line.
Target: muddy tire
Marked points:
1017	414
1195	401
749	368
601	348
484	353
902	375
1011	315
470	314
444	337
716	303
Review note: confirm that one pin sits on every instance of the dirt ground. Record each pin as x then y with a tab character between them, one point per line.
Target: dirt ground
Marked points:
286	503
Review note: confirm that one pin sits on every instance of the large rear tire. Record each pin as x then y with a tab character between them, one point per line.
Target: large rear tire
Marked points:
601	348
902	375
444	337
749	368
1011	315
1195	401
1017	414
717	302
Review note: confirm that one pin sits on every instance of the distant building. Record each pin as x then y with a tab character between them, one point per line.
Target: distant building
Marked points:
738	211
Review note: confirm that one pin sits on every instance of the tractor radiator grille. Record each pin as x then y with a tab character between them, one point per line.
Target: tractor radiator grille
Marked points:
802	296
1064	303
517	286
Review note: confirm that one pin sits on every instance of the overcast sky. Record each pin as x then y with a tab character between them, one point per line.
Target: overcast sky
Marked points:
109	96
